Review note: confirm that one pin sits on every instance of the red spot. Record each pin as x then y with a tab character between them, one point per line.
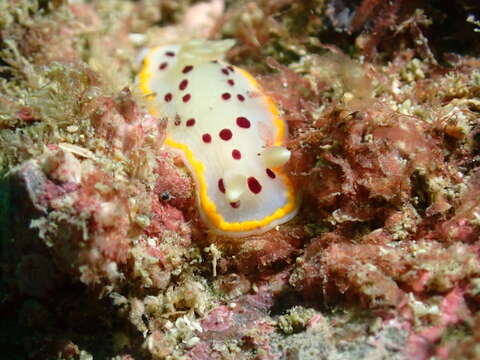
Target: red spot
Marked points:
187	69
230	67
254	185
186	98
235	204
170	53
225	71
221	186
236	154
190	122
207	138
225	134
226	96
168	97
230	82
183	84
177	122
240	97
270	173
163	65
243	122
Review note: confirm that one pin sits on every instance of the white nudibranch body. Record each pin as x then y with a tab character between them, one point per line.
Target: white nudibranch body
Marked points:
228	132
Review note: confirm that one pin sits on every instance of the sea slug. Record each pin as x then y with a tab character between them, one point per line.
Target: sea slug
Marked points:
228	132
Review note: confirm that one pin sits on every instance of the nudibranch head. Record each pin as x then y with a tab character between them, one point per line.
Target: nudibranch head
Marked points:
228	132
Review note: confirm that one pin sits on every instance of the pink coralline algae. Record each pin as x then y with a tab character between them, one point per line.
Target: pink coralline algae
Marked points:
98	243
174	187
453	310
243	322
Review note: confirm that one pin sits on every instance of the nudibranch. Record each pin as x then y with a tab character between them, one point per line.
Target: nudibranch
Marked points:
229	133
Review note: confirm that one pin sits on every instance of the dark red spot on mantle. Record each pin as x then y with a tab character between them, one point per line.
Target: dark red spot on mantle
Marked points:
186	98
243	122
225	134
236	154
163	66
207	138
225	71
190	122
170	53
221	186
183	84
187	69
230	82
168	97
226	96
254	185
235	204
240	97
270	173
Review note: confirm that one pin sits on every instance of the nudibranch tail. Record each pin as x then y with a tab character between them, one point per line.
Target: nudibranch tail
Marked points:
228	132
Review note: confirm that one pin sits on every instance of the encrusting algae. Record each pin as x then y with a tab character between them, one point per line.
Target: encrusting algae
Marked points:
104	250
